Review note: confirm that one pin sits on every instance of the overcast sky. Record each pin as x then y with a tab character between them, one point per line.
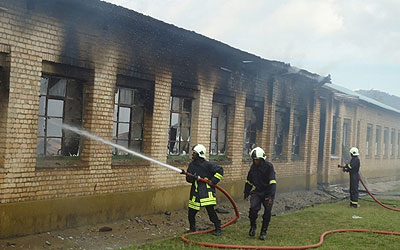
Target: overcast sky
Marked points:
356	41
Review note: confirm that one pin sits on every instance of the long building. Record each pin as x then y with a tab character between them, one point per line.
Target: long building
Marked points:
157	89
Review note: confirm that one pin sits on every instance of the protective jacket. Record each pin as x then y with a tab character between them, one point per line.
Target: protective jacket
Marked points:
203	194
263	179
354	165
353	168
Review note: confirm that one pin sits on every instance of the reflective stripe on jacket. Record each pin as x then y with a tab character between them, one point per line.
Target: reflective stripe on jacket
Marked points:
263	179
202	194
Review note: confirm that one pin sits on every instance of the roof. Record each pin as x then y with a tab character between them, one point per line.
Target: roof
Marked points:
354	95
214	46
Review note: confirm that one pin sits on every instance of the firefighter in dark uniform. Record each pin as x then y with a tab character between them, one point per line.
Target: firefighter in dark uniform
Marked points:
261	176
203	194
352	168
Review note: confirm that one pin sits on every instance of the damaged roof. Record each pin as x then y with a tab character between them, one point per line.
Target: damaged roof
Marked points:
229	57
347	93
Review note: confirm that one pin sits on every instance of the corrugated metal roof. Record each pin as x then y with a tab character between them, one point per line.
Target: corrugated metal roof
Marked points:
360	97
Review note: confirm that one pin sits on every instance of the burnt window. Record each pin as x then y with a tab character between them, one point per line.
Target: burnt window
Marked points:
61	101
346	136
368	140
299	133
281	131
385	142
392	138
250	129
179	125
334	135
128	119
218	129
378	140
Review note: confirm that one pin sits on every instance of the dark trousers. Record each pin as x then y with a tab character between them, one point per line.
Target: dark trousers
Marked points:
255	206
354	180
212	215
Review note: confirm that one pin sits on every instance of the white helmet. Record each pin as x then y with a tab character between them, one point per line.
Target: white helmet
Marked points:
200	150
354	151
258	153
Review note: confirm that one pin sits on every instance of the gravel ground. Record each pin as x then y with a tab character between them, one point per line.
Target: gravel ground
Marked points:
141	229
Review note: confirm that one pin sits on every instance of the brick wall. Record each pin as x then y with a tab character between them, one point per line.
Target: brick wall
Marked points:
43	34
363	114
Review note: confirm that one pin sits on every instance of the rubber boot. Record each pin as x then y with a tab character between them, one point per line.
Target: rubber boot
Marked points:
263	234
253	228
192	228
218	230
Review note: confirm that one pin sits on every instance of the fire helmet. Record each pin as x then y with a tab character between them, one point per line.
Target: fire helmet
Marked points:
258	153
354	151
200	150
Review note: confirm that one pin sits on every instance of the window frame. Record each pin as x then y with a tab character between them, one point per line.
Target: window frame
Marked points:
385	142
299	126
398	144
181	111
46	117
334	135
392	142
116	119
283	126
378	139
224	109
368	139
250	131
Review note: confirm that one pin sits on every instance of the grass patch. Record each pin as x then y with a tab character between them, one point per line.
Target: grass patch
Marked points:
305	227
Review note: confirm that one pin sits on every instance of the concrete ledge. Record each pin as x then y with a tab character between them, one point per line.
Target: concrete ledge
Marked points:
31	217
25	218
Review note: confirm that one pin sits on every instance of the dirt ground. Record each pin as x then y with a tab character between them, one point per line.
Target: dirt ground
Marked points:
141	229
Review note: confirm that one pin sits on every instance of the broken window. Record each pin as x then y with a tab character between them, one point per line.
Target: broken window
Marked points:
334	135
392	142
282	116
128	119
61	101
179	125
218	129
385	141
368	140
346	137
377	140
250	129
299	133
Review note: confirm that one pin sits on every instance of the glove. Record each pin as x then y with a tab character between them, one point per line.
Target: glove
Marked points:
270	201
209	182
246	197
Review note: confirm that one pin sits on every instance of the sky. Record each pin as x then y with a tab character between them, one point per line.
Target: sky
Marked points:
357	42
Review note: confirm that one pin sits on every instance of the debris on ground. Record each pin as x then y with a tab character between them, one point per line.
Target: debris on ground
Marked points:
141	229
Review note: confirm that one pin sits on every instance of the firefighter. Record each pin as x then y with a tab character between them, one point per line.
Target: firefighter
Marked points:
203	194
352	168
261	176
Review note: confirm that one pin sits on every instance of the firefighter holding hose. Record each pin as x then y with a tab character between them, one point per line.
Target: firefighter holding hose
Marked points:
203	194
261	176
352	168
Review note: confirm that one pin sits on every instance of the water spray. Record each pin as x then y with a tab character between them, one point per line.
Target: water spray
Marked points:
95	137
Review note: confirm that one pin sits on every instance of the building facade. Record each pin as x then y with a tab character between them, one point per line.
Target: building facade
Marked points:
158	90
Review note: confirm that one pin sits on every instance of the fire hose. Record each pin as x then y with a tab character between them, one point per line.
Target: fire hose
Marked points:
183	237
235	218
